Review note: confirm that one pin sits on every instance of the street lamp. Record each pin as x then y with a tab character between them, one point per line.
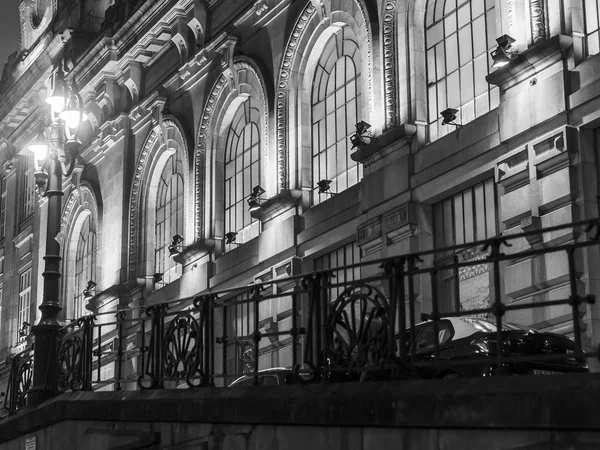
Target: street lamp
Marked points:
55	150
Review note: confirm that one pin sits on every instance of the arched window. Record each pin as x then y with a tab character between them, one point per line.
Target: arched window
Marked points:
592	29
85	264
242	170
169	217
335	101
460	34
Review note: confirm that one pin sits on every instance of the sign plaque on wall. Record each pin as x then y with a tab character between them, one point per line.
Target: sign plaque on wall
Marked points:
473	281
30	443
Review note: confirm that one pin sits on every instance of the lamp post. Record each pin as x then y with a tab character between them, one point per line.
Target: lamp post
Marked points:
55	151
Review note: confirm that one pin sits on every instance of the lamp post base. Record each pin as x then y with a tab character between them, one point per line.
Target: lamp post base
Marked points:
45	373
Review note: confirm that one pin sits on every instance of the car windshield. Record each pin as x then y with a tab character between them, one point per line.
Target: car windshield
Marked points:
489	327
425	335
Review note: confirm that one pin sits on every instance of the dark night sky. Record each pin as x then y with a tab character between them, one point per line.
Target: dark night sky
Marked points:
9	29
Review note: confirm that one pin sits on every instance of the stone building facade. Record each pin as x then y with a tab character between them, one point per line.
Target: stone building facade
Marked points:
193	103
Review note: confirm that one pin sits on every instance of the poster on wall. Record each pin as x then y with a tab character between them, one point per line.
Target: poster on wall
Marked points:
474	281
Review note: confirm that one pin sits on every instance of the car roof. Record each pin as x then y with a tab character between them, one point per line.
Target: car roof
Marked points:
467	325
272	370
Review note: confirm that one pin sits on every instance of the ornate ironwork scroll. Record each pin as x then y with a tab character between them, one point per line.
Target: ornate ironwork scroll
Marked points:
247	355
75	356
70	359
183	349
19	382
178	349
357	330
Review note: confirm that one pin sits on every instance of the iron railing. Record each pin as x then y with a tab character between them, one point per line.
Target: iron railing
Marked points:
326	328
18	382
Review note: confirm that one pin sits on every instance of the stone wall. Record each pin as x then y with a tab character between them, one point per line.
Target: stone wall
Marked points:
499	413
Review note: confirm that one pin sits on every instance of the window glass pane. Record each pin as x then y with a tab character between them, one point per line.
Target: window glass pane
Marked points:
440	60
453	90
452	53
477	7
468	215
464	15
466	45
450	6
457	49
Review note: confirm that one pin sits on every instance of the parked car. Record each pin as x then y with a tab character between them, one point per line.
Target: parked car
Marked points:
473	338
275	376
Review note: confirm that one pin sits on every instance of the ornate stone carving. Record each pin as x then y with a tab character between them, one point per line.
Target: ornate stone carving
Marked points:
260	7
538	21
81	197
201	152
369	54
282	92
389	63
36	12
227	49
510	13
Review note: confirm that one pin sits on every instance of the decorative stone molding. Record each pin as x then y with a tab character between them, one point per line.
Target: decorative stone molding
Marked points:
389	63
111	131
285	73
321	8
531	62
274	206
538	20
531	224
388	142
227	50
368	236
513	170
200	160
400	223
83	197
260	7
132	79
194	251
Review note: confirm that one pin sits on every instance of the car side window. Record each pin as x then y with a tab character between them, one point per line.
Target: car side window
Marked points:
270	380
425	334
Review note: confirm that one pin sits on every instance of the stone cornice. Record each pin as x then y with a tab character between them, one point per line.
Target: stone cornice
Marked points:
532	61
274	206
381	145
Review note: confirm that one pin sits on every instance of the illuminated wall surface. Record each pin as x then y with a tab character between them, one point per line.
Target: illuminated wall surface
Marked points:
192	104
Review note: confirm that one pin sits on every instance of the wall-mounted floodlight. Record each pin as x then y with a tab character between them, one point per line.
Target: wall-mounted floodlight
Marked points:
505	52
255	198
323	187
24	330
362	133
175	244
230	238
88	292
449	116
157	277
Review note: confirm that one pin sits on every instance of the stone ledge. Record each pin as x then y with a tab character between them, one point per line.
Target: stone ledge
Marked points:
567	402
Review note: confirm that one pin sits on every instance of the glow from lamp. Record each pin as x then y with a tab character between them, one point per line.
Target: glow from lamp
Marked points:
57	103
39	148
72	117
